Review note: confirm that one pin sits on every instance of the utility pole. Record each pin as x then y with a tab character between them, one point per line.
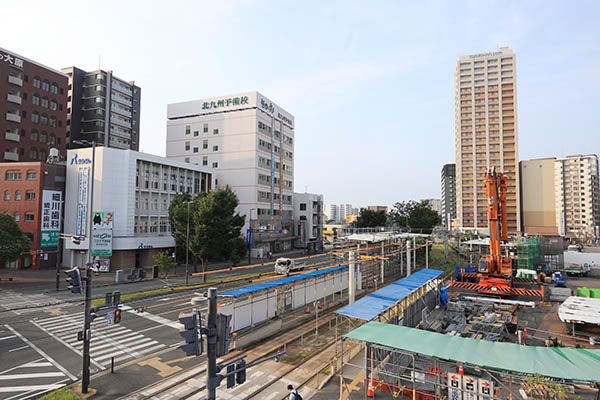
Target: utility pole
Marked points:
414	252
426	254
58	261
187	245
87	332
352	278
382	250
212	381
408	257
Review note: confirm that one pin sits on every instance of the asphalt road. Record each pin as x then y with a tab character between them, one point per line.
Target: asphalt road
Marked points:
39	351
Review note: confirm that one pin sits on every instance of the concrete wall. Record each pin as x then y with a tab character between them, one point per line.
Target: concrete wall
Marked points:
538	197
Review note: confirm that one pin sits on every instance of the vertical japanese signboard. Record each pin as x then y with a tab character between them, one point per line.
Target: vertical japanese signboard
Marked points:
470	388
454	386
82	201
50	218
102	227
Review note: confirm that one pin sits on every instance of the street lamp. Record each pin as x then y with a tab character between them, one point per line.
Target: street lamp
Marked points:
187	243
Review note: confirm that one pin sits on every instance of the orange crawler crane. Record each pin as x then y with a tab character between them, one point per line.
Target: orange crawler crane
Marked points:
495	270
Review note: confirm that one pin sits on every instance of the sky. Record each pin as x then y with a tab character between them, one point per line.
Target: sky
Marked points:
370	84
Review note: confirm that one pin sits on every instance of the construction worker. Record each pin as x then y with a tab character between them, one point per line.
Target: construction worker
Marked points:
294	395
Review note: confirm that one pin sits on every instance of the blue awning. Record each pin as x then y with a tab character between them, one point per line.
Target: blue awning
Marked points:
380	301
278	282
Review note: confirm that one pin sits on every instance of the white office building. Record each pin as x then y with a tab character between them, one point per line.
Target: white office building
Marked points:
308	212
132	193
249	142
332	212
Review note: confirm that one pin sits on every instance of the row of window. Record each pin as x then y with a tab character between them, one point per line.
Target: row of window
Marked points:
188	130
28	195
29	217
16	176
45	85
43	119
44	102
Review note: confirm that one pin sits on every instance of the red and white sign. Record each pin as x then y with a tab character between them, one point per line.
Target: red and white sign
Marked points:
486	389
454	386
469	387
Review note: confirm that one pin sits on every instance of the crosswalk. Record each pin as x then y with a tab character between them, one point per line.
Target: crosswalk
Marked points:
107	341
27	303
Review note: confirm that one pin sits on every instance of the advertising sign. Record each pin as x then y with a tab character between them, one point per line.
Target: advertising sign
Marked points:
486	389
454	386
82	201
102	227
469	387
50	218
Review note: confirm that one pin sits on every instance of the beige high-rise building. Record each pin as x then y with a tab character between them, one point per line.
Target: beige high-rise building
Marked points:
577	196
538	193
485	121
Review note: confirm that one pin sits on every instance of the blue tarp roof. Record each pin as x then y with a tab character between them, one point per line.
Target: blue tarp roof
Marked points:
278	282
375	303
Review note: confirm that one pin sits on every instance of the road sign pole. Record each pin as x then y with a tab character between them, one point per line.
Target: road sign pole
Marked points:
85	379
211	348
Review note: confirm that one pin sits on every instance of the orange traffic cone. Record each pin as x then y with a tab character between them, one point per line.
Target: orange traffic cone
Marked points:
370	388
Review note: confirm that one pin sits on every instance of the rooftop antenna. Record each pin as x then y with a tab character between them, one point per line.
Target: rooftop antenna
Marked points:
99	60
305	188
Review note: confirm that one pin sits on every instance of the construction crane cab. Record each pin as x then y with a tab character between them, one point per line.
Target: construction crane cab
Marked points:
495	270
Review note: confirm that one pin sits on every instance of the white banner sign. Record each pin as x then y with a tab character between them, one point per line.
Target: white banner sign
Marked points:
82	201
469	387
486	389
454	386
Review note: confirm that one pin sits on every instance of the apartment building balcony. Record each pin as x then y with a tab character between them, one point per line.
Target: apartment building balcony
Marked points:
121	99
121	110
117	144
15	80
120	133
122	88
120	121
11	156
14	117
14	137
13	98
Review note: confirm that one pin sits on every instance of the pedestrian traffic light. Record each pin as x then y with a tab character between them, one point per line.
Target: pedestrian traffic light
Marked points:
230	376
189	334
223	334
117	315
240	375
74	280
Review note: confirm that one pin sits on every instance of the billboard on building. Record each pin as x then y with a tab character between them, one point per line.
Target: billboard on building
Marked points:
50	218
102	227
82	201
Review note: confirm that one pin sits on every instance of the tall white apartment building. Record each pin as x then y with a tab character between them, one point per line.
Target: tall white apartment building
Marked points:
577	196
249	142
331	212
308	212
485	120
345	210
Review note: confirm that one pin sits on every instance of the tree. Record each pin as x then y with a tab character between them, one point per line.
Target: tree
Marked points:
165	262
178	220
369	219
13	241
415	215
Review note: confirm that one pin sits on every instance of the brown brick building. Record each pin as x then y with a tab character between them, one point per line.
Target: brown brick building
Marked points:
22	186
33	109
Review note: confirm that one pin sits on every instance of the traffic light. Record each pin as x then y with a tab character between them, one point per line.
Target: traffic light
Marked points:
230	376
117	315
223	334
116	298
76	239
74	280
240	375
189	334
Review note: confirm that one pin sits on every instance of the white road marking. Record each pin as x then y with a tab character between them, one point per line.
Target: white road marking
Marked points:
9	389
34	364
158	319
18	348
29	395
27	376
8	337
40	352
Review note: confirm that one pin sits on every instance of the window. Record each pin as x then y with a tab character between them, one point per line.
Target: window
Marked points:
42	154
46	85
187	146
195	149
44	119
205	160
216	148
215	165
215	131
54	88
36	82
302	206
6	195
12	176
187	160
34	134
17	195
45	102
43	137
205	144
187	129
196	133
17	217
35	100
33	154
53	122
29	217
29	195
35	117
205	129
52	138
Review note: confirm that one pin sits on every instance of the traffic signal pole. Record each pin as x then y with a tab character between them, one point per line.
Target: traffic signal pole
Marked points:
212	381
87	332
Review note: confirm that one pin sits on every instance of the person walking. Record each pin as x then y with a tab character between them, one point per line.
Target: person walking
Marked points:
294	395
